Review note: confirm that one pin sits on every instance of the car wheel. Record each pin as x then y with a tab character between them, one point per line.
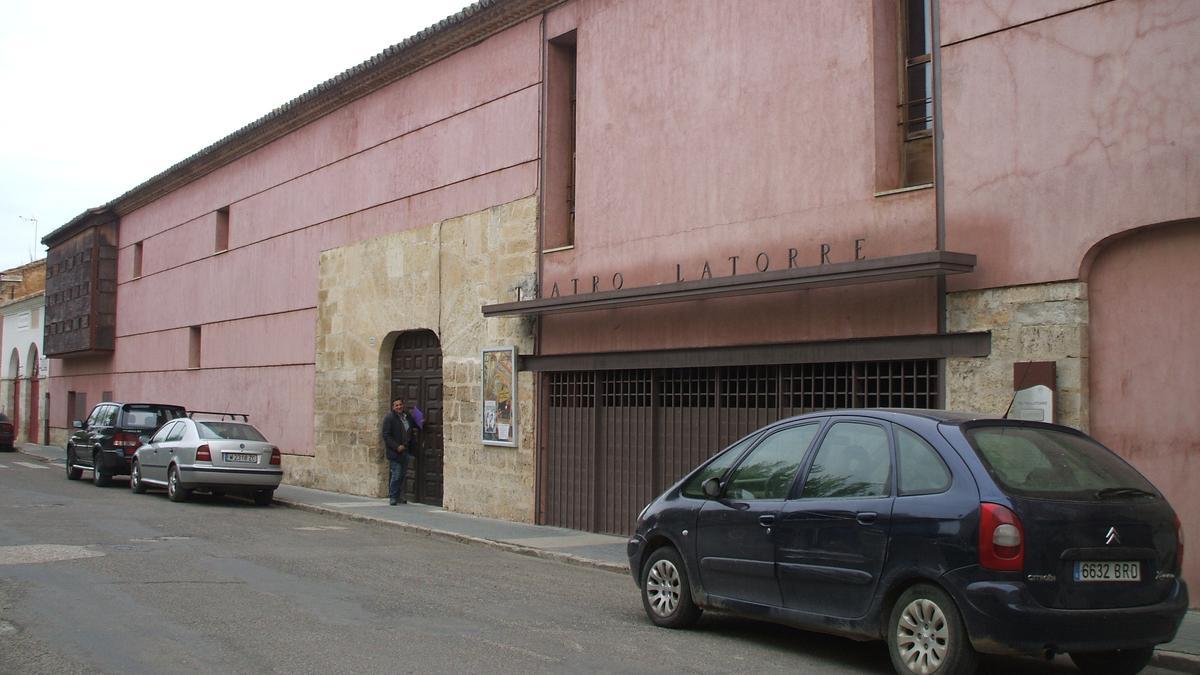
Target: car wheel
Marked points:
73	473
264	497
135	478
926	634
1116	662
175	491
99	477
666	592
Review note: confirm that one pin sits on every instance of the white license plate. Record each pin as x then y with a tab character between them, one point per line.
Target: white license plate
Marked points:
1108	570
241	458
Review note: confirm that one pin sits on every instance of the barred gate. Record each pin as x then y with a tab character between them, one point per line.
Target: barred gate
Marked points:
616	438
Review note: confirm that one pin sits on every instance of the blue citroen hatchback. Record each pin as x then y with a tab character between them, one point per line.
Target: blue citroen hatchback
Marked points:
945	534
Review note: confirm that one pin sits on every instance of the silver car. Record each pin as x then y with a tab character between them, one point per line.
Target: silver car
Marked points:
217	456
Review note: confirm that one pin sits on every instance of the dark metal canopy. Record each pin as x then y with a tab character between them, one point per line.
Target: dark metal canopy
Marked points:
910	266
899	347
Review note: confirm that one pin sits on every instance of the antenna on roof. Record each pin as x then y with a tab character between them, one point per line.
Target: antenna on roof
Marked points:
1017	389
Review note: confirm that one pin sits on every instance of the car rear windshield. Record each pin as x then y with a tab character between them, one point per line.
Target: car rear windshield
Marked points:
149	416
230	431
1040	462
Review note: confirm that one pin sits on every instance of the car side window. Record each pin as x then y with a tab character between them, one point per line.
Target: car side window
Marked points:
176	432
715	468
921	470
105	415
854	461
769	469
162	433
94	418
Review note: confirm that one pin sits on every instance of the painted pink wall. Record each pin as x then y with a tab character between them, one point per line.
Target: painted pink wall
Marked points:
1067	130
1144	366
716	129
456	137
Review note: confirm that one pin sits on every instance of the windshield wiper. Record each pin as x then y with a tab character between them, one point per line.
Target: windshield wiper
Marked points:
1118	492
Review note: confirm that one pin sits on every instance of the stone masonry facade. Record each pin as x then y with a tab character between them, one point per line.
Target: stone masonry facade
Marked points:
1044	322
436	278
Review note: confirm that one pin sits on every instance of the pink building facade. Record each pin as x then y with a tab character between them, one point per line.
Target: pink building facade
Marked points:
688	219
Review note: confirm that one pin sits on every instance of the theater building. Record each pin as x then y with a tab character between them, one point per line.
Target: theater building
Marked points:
685	220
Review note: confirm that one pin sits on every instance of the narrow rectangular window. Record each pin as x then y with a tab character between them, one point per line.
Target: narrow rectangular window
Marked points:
194	347
72	405
916	93
137	260
106	396
558	209
221	242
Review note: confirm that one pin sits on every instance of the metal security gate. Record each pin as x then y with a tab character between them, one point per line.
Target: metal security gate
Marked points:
616	438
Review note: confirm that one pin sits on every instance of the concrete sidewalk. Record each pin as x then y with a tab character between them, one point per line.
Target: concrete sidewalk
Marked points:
554	543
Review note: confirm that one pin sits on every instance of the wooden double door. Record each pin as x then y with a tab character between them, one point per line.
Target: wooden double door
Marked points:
417	378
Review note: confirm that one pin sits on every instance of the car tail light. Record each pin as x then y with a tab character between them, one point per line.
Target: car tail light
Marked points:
1179	538
1001	539
277	459
202	454
126	440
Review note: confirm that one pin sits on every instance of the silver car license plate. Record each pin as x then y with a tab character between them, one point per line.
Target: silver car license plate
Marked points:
1108	570
240	458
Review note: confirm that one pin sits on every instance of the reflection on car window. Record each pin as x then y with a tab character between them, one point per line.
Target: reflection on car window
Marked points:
235	431
768	471
716	468
853	461
921	470
1044	462
176	432
162	434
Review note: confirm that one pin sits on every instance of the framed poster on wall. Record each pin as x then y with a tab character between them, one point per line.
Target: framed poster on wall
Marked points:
499	413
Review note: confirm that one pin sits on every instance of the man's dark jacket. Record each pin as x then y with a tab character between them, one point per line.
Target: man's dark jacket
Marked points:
399	431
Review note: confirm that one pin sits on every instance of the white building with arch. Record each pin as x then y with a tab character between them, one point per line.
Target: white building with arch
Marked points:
23	370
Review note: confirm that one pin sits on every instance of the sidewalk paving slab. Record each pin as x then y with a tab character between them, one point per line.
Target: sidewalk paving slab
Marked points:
555	543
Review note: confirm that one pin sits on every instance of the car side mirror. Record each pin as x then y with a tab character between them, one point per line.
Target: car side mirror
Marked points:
77	424
712	487
144	439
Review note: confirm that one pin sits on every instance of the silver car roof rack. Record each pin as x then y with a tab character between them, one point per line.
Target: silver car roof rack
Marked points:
244	417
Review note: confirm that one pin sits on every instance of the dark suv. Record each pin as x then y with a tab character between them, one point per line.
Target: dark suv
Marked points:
944	534
7	433
106	441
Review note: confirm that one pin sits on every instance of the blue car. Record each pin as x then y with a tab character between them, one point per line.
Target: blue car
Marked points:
945	534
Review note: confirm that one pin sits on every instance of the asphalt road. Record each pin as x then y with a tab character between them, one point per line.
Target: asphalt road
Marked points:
101	580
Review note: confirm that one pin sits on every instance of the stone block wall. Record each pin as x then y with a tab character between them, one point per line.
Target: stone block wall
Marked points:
1043	322
436	278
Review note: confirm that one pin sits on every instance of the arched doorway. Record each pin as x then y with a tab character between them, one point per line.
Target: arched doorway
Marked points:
1143	364
417	378
31	430
14	404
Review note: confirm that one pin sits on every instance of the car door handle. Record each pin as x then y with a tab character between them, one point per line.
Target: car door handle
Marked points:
866	517
767	520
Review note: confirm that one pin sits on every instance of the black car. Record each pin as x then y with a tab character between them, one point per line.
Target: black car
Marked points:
7	433
106	441
945	534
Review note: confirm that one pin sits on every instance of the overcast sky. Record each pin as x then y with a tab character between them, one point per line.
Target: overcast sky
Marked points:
98	96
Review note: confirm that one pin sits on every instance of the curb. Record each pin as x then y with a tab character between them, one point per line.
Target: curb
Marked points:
1180	662
446	535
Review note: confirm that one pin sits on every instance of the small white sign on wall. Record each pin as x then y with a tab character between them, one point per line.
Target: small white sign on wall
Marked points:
43	367
23	320
1034	403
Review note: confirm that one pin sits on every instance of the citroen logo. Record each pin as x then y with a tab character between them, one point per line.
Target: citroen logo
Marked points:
1111	537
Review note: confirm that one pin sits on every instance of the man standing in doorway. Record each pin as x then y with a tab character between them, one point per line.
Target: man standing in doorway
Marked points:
400	438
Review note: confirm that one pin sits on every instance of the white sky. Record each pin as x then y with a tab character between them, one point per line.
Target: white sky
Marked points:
96	96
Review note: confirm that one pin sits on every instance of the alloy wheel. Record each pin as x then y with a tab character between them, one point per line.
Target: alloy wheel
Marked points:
922	636
663	588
